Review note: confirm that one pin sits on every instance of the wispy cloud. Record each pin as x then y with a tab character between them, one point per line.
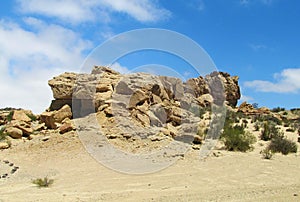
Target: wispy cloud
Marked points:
249	2
245	98
257	47
80	11
119	68
286	81
141	10
198	4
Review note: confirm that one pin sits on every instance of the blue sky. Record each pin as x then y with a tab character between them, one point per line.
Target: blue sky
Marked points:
258	40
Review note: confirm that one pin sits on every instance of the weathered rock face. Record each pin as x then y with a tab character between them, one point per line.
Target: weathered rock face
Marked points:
62	85
221	86
85	92
127	105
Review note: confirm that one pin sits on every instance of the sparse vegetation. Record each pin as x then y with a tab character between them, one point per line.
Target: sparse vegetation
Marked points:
9	116
267	153
282	145
278	109
270	131
236	138
43	182
256	126
32	117
3	135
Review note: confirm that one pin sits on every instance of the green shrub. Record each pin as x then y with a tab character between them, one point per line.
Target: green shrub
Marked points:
270	131
267	153
3	135
236	138
9	116
43	182
278	109
282	145
256	126
32	117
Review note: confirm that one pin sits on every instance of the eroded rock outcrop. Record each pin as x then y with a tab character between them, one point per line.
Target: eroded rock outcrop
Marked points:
127	105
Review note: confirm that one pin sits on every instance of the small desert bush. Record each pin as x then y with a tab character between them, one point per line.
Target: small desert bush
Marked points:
270	131
3	135
256	126
32	117
282	145
267	153
43	182
236	138
277	109
9	116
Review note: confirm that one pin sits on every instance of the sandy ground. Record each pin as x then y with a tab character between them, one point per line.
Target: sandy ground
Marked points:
226	176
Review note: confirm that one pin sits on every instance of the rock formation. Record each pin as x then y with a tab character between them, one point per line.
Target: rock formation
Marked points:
127	105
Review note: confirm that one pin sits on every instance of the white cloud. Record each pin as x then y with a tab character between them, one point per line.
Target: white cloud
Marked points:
286	82
257	47
141	10
119	68
79	11
29	59
248	2
245	98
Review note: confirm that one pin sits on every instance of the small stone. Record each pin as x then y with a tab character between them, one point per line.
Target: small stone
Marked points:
196	147
111	136
66	127
197	139
46	138
4	145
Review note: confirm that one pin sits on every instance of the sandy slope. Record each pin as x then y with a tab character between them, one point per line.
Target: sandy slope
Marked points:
78	177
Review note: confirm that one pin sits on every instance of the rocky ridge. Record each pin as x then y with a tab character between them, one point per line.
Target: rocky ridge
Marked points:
135	108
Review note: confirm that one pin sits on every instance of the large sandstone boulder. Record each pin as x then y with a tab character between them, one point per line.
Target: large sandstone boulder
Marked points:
14	132
21	115
53	118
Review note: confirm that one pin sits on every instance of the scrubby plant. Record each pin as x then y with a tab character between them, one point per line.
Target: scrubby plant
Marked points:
278	109
236	138
282	145
3	135
32	117
9	116
269	131
267	153
257	126
43	182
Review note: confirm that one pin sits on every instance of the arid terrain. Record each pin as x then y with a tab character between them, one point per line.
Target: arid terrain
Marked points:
61	144
224	176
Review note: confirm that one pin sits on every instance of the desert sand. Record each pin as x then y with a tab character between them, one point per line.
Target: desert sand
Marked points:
223	176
